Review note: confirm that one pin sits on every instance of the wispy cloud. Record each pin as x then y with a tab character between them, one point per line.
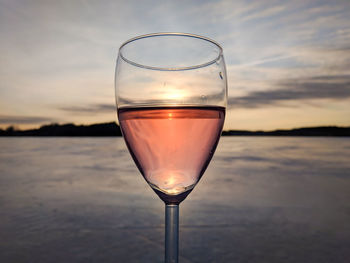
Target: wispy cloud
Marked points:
265	12
93	109
294	90
266	60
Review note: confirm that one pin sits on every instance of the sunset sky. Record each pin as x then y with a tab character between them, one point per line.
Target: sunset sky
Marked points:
288	62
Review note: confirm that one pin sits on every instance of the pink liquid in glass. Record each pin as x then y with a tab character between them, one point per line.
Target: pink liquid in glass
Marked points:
172	146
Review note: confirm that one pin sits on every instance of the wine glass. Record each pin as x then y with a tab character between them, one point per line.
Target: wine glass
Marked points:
171	95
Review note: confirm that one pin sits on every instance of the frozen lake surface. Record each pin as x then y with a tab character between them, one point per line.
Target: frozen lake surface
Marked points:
262	199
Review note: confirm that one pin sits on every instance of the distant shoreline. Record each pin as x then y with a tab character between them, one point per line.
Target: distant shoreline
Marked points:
112	129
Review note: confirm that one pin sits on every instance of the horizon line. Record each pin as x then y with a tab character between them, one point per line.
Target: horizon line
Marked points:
14	128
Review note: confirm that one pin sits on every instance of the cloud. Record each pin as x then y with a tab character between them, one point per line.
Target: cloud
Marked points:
88	110
263	13
8	119
261	61
312	88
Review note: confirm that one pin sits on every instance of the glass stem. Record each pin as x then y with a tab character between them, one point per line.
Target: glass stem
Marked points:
171	233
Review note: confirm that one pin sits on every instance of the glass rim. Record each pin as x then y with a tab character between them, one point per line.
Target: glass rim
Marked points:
171	34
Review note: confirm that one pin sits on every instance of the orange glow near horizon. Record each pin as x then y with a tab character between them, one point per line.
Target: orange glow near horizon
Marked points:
170	115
